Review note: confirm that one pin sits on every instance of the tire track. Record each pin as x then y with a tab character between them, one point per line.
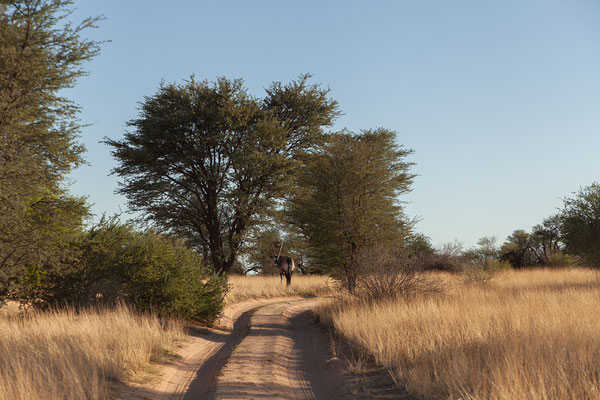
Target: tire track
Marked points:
284	356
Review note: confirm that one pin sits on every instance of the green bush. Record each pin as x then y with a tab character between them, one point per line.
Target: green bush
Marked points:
496	265
484	271
146	269
560	259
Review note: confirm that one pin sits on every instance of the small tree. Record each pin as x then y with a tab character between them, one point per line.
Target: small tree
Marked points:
518	249
347	199
485	251
207	160
580	224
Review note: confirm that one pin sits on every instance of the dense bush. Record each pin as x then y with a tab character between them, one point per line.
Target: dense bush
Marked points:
146	269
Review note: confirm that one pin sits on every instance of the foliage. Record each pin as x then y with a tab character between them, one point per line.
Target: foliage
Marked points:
206	160
418	244
517	249
482	272
419	249
580	224
547	239
485	250
145	269
523	249
265	242
561	260
260	251
347	199
41	54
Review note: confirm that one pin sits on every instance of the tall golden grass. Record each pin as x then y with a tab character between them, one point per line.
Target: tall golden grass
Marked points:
527	335
69	355
65	354
254	287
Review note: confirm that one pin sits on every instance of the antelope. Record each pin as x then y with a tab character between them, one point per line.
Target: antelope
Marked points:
286	266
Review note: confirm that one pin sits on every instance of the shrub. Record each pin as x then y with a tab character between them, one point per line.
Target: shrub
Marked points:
560	259
145	269
497	265
383	275
448	257
482	273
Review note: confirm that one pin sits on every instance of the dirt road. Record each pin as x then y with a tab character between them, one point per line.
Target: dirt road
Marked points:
285	355
267	350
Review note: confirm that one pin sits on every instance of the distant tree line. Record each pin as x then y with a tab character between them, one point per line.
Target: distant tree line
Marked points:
568	238
571	236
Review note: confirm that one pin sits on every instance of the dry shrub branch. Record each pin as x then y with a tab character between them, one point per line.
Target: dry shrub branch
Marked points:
383	274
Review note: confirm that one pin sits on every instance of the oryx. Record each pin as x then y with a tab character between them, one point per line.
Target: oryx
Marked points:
286	266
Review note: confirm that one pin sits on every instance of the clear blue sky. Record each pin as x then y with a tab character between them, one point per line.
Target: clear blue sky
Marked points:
499	99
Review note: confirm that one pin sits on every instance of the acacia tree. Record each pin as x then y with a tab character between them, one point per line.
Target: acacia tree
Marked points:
347	199
207	160
547	239
518	249
41	53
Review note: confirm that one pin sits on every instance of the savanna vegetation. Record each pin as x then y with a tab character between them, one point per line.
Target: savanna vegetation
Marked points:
528	334
220	180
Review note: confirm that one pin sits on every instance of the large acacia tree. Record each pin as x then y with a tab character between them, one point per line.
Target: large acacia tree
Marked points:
347	199
206	160
41	54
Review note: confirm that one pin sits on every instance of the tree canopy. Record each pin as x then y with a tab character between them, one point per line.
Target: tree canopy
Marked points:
346	198
41	53
206	160
580	224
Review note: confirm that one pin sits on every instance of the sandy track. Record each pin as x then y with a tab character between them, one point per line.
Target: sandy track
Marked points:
269	349
284	356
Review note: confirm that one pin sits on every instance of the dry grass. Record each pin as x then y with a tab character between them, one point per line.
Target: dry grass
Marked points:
253	287
527	335
63	354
